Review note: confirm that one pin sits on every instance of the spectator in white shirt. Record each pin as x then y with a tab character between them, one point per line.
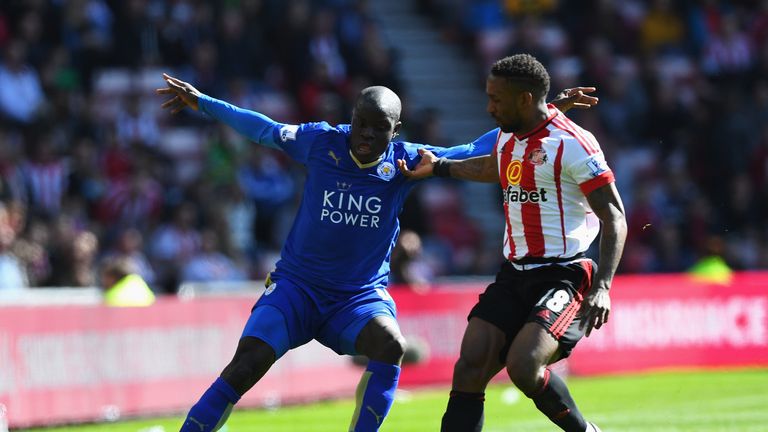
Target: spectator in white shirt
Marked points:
21	95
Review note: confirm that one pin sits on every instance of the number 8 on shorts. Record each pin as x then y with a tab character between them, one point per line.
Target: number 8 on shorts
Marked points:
558	301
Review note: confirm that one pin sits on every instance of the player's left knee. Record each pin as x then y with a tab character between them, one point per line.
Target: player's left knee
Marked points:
390	350
525	374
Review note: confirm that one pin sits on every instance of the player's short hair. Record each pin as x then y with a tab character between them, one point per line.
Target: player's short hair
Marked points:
525	71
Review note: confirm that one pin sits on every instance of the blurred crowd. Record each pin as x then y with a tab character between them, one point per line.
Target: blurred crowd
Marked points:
92	171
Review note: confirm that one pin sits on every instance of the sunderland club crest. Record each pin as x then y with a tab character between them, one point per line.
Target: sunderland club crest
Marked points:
538	157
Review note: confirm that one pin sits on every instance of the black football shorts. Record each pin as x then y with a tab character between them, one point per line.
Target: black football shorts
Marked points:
550	295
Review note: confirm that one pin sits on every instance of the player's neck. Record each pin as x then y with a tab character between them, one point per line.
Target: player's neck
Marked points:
540	115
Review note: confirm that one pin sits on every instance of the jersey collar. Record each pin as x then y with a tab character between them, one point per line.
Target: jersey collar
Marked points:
553	111
365	165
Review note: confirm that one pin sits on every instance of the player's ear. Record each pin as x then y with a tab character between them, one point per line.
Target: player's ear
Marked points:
525	99
396	129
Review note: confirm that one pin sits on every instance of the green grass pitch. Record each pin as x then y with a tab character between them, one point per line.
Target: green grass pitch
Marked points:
674	401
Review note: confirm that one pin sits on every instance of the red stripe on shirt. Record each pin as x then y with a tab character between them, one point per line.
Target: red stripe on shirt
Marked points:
531	212
559	187
601	180
496	145
504	160
588	140
571	130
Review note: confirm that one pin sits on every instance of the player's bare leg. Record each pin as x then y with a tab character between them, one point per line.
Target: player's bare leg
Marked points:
251	361
384	345
532	350
381	340
478	362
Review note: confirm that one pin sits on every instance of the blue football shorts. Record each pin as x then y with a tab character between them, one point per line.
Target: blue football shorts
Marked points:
290	314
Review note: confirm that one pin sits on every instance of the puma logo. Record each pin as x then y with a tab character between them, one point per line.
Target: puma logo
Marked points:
334	157
378	417
198	423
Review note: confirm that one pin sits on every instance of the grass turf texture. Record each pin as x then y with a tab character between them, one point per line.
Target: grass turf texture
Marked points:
676	401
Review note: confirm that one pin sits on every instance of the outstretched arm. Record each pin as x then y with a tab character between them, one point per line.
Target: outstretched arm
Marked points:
606	203
576	97
254	125
480	169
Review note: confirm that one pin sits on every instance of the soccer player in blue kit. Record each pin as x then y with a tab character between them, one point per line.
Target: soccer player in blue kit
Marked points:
330	282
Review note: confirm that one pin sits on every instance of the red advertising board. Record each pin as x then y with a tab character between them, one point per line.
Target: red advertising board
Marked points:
88	363
668	321
85	363
656	321
435	320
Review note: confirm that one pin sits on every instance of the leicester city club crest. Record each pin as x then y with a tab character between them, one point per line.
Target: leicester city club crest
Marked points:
270	288
386	171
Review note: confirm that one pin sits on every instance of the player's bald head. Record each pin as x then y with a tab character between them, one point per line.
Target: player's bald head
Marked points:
375	121
381	98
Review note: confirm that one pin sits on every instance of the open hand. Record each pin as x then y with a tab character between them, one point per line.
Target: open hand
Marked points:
595	309
184	95
423	169
576	97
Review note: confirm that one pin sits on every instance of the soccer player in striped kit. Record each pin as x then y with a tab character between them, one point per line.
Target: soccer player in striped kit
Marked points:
557	190
330	282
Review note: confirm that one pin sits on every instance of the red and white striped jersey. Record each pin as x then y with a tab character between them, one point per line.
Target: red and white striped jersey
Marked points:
545	176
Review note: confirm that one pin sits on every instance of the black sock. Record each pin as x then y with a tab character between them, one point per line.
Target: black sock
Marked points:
555	401
464	412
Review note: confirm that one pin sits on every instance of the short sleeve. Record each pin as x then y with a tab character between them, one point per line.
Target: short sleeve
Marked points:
588	167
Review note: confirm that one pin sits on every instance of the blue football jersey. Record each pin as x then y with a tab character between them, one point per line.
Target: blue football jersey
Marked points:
347	222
